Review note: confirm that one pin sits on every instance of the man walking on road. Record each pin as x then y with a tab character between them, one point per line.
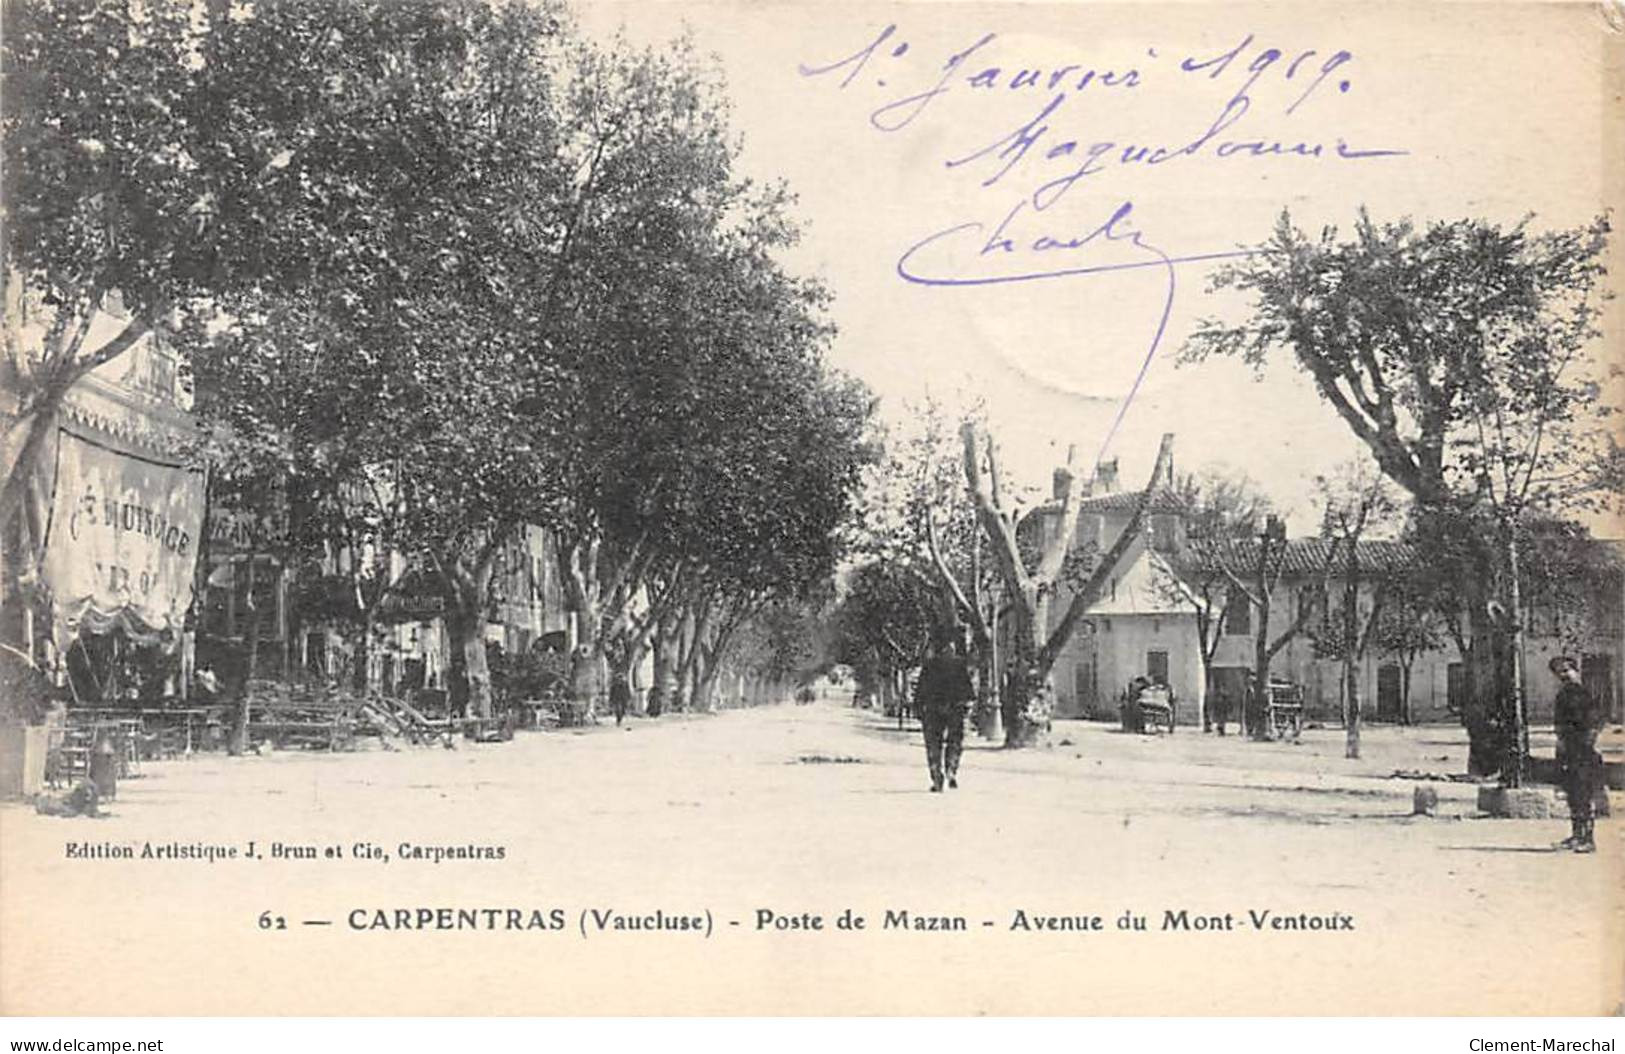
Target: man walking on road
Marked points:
620	695
1578	718
941	698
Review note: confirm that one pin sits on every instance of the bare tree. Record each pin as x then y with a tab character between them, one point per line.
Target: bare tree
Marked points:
1034	646
1464	356
1357	499
1220	508
1264	562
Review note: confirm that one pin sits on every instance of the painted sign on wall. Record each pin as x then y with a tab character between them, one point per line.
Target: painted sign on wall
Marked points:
123	534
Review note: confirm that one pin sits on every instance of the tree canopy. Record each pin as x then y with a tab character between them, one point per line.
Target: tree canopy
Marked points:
1466	356
439	270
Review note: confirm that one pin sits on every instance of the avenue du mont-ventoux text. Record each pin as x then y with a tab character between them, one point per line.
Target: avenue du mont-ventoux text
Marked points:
610	920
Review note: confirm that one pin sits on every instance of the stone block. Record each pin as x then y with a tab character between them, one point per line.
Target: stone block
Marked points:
1425	801
1521	803
22	759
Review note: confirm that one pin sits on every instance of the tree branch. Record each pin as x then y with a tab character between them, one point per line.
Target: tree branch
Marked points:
1001	536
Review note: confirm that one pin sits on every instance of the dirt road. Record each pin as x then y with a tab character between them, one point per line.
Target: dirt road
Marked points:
704	864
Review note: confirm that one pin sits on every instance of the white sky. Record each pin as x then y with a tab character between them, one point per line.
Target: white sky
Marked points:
1500	107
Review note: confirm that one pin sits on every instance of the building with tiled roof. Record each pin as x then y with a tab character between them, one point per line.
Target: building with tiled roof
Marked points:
1145	623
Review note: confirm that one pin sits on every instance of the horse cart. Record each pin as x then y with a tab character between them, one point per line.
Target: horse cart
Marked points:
1148	708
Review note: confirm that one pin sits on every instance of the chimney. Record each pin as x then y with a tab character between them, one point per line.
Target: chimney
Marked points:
1061	483
1106	476
1170	480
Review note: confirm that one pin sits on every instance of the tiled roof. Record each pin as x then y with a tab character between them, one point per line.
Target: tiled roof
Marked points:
1303	556
1162	500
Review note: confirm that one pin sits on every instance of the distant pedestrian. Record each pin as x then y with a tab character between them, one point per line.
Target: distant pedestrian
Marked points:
1133	716
1578	717
1221	710
620	696
941	698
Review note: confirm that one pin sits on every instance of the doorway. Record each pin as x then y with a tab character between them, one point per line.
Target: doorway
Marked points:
1455	689
1388	693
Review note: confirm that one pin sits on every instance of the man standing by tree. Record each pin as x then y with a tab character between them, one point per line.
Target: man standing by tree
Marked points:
941	698
1578	718
620	695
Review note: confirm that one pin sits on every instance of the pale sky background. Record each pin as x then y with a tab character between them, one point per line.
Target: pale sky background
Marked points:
1501	108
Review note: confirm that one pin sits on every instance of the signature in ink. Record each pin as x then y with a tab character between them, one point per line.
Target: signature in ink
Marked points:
1050	255
1060	251
1252	78
1012	149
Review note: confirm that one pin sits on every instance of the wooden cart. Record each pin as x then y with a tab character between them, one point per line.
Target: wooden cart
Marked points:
1283	709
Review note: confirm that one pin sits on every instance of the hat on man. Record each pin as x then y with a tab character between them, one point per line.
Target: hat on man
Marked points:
1561	663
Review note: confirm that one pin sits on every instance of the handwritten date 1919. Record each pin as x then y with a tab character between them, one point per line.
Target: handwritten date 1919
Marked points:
977	68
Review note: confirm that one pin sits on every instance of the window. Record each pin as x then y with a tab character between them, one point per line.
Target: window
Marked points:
1312	599
1164	532
1156	666
1089	530
1083	682
1238	614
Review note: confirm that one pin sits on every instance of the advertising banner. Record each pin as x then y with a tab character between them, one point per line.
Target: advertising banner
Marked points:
122	540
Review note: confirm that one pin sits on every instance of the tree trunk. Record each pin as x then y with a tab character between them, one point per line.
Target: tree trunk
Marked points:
1351	708
41	426
1013	704
621	667
687	646
472	685
665	675
469	594
630	669
1255	711
991	723
476	672
705	656
1514	768
988	718
705	686
237	745
1484	710
586	668
363	674
1026	703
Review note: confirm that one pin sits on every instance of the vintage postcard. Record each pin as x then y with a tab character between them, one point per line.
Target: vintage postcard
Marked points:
554	507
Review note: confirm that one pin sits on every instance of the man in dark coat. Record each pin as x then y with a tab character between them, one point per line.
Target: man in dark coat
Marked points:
620	696
941	698
1578	718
